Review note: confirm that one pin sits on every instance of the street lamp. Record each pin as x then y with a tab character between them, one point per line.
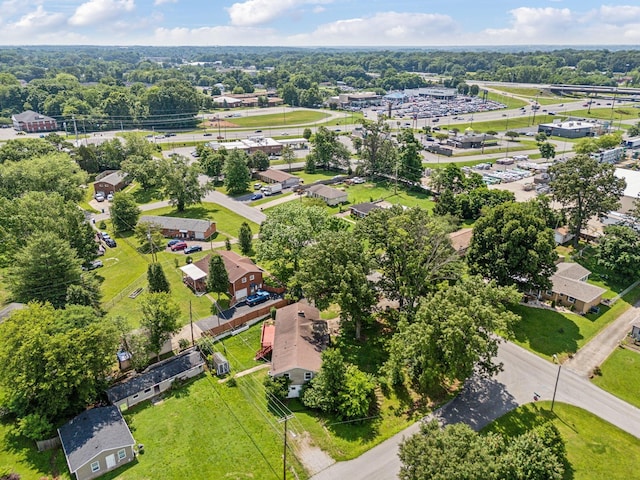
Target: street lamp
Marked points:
555	388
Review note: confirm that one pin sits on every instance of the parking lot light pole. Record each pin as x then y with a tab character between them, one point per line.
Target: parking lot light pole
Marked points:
555	388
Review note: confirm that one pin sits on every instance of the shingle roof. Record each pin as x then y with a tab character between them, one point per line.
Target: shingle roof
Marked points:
177	223
93	432
364	208
236	265
461	239
31	116
566	281
326	192
113	178
276	175
155	374
299	339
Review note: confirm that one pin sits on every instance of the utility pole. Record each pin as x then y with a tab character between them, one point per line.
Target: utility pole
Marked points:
284	456
193	342
553	400
75	128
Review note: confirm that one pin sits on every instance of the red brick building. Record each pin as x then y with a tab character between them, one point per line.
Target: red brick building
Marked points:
33	122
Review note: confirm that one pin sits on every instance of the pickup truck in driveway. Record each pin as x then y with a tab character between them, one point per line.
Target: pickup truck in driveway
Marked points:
257	298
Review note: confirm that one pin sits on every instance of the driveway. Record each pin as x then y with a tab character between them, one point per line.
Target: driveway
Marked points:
484	400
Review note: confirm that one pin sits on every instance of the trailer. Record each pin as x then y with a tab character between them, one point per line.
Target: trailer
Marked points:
272	189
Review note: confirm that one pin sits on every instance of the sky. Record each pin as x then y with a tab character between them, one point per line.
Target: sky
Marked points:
368	23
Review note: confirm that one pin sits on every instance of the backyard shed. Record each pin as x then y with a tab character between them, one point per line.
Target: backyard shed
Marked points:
221	364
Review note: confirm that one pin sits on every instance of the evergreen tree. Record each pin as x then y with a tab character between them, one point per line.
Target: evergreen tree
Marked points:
245	238
157	279
218	279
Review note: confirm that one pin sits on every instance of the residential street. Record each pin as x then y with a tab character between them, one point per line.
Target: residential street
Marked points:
485	400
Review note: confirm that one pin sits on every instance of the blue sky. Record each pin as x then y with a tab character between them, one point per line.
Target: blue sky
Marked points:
319	22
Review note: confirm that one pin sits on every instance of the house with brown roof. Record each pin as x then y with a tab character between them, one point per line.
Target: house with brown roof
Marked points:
329	195
570	288
271	175
245	277
111	182
300	337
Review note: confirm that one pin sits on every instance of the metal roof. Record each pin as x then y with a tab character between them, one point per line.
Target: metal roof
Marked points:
178	223
193	272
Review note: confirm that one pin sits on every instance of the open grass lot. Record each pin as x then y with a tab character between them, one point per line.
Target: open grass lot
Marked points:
621	375
310	178
240	349
144	196
515	122
297	117
378	190
20	455
546	332
596	450
509	101
619	113
206	430
227	222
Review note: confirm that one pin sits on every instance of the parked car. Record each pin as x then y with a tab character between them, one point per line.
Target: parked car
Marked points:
257	298
256	196
357	180
171	243
257	186
110	197
193	249
178	246
104	235
95	264
99	197
111	243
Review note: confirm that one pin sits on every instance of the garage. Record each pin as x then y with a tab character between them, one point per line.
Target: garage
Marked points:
241	293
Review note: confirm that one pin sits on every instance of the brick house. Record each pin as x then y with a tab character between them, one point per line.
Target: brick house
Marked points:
271	175
111	183
33	122
96	442
300	337
187	228
245	277
329	195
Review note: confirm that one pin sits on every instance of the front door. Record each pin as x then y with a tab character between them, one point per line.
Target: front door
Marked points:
111	461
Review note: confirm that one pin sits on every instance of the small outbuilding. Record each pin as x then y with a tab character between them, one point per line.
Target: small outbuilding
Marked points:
96	442
221	364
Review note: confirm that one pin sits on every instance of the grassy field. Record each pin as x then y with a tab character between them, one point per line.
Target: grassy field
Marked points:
509	101
144	196
88	196
619	113
297	117
547	332
621	375
596	450
504	124
19	455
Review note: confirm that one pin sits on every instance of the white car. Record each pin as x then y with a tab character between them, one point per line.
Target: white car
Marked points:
110	197
99	197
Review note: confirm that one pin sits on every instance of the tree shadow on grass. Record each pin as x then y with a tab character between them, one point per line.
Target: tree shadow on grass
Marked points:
546	331
369	353
142	196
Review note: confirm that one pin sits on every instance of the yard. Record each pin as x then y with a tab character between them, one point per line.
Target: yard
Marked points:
621	375
595	449
547	332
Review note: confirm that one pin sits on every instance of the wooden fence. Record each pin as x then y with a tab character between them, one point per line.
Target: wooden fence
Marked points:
236	322
48	444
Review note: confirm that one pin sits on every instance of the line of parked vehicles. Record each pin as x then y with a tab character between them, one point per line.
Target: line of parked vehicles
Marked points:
178	244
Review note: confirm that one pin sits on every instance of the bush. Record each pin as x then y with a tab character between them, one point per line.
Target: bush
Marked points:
277	388
35	426
183	343
102	225
232	382
273	312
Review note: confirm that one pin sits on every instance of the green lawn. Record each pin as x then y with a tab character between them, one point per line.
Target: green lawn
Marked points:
504	124
227	222
268	199
144	196
207	430
619	113
546	332
378	190
310	178
621	375
20	455
88	196
596	450
297	117
509	101
240	349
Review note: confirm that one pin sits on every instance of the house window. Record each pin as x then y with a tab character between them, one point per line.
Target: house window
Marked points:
147	390
308	375
135	396
95	466
122	454
244	279
549	292
286	375
251	277
571	300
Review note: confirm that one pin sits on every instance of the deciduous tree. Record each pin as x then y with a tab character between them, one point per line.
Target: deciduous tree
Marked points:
619	251
124	212
237	175
159	319
180	182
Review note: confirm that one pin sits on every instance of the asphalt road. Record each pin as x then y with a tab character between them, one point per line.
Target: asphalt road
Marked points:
484	400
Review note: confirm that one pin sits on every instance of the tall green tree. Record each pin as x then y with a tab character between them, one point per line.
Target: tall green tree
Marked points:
335	269
54	362
245	238
585	188
218	279
378	152
288	156
409	156
159	319
512	244
412	251
180	182
260	160
452	334
124	212
547	150
619	251
237	175
44	270
328	152
150	237
288	229
156	279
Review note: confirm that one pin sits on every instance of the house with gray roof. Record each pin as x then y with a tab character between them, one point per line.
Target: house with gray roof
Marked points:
96	442
111	182
331	196
570	288
300	337
176	227
156	379
33	122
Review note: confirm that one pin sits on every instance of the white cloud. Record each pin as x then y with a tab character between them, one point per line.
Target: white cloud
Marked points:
615	14
98	11
160	2
257	12
534	25
386	28
38	20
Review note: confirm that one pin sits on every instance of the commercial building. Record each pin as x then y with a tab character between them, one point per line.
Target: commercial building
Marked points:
631	191
33	122
569	129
